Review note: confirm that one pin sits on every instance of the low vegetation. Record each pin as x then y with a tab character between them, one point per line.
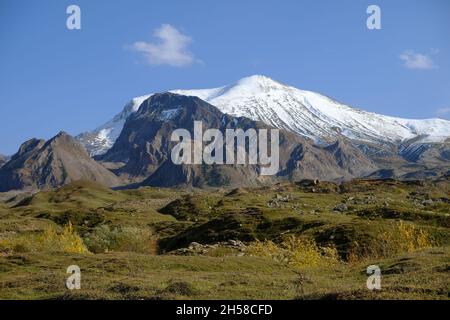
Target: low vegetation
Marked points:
105	238
304	240
401	237
49	240
295	252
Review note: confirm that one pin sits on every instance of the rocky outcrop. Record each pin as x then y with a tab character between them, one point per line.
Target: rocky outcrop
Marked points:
145	146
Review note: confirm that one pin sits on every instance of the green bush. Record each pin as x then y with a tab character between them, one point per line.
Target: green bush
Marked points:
126	239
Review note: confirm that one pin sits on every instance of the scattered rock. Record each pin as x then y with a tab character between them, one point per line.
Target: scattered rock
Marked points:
307	183
194	245
341	207
236	243
196	248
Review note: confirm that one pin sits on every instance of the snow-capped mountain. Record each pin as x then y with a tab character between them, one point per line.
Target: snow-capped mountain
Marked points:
305	112
145	148
101	139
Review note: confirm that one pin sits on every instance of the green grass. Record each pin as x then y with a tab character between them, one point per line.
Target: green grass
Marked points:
421	275
129	222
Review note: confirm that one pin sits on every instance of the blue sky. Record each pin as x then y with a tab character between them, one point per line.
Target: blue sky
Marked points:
53	79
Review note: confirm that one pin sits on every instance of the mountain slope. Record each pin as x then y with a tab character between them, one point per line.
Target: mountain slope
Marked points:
3	160
101	139
304	112
144	145
39	164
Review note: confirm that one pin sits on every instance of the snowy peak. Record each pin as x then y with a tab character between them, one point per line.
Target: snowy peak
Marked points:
314	115
248	86
257	83
304	112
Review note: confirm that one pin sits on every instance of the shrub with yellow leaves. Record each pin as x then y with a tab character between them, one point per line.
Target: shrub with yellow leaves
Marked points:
296	252
401	237
49	240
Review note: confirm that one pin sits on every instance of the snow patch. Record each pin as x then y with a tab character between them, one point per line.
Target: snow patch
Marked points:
305	112
170	113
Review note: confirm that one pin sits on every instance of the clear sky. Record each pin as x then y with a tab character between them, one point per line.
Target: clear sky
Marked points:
53	78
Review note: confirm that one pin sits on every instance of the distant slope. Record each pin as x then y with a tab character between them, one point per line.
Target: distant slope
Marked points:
79	194
39	164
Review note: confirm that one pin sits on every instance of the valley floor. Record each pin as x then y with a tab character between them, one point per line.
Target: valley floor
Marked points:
421	275
305	240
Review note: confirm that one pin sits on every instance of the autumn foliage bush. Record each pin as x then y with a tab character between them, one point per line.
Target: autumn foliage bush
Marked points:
49	240
296	252
401	237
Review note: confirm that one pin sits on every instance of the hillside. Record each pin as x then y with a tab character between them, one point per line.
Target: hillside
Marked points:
43	164
154	243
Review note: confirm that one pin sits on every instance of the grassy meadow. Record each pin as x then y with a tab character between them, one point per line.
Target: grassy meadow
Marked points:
301	240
